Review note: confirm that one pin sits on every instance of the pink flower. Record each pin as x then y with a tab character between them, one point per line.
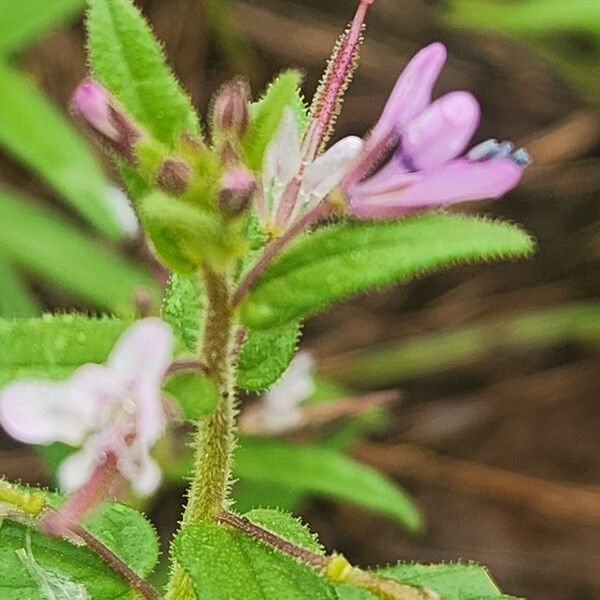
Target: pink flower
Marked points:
426	169
111	411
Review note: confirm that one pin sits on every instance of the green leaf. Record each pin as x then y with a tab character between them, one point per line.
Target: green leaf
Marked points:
125	531
23	22
33	131
224	563
46	245
348	258
15	299
452	581
127	59
325	472
195	393
532	17
265	356
183	308
286	526
267	114
54	346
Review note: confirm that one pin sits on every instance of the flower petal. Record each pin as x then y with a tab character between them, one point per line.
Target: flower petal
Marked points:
283	156
141	471
76	470
327	171
42	412
441	132
412	92
451	183
143	353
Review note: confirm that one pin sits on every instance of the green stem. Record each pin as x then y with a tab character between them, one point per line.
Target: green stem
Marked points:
208	494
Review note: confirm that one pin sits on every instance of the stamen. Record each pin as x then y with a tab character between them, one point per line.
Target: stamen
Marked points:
505	149
522	157
493	150
487	149
336	79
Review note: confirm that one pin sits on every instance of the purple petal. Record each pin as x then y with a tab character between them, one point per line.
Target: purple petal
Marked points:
412	92
451	183
442	131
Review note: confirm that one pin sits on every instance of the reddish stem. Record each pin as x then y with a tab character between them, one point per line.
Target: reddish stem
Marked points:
317	213
83	500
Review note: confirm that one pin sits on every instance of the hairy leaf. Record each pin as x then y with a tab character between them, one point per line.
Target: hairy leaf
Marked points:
127	59
348	258
452	581
121	528
183	308
286	526
267	114
54	346
24	21
326	472
46	245
38	135
265	356
224	563
195	393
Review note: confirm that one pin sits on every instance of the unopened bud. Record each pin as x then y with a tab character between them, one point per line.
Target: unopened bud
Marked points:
231	114
99	109
174	176
238	186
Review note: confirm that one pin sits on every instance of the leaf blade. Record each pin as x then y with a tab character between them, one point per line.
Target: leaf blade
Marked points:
23	22
29	238
33	131
345	259
323	471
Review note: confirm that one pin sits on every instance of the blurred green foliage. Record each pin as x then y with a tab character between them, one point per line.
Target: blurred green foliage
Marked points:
35	242
566	32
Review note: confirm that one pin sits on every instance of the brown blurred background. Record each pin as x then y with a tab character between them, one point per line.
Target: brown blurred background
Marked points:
501	451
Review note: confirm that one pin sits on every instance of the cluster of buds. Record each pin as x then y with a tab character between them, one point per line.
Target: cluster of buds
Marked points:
193	183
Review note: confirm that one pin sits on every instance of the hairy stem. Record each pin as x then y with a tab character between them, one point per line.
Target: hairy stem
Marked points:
208	494
321	211
210	485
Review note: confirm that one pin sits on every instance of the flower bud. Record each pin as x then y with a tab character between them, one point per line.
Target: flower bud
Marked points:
174	176
100	111
238	186
230	110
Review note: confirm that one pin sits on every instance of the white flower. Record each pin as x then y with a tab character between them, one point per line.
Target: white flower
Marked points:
109	410
283	161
